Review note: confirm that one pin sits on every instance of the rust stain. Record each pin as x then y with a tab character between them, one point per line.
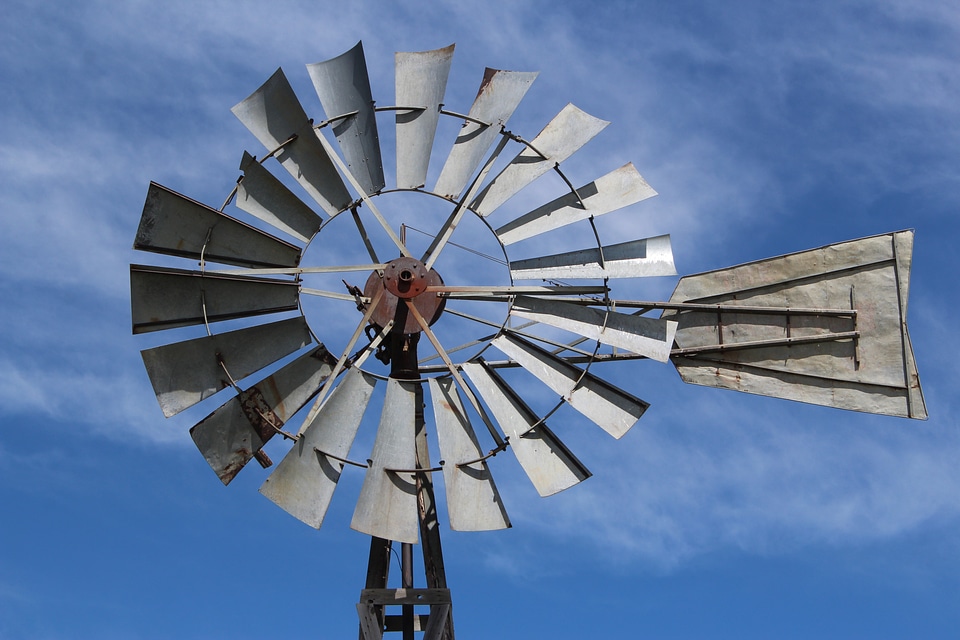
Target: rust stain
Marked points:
488	75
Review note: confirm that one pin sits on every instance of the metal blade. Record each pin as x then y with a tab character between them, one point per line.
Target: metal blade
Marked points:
343	86
648	337
262	195
546	461
872	371
163	298
175	225
473	501
612	409
387	506
304	481
230	436
616	190
635	259
273	114
421	80
500	93
568	131
184	373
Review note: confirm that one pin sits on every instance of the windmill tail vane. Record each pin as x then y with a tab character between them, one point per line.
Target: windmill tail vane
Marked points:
825	326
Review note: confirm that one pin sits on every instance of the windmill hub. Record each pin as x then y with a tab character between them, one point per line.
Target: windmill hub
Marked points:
404	279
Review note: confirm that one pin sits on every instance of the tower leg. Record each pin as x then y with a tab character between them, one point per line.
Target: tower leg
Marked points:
438	625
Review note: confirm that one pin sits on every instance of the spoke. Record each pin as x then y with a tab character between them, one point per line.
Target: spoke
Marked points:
343	358
292	271
363	234
440	240
331	294
363	195
455	373
497	293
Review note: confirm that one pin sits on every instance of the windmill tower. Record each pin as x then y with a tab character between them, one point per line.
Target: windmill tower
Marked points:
825	326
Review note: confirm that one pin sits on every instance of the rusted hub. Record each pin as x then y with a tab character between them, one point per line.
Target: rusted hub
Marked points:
405	279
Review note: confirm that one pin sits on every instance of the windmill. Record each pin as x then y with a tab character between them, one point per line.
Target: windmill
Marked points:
824	326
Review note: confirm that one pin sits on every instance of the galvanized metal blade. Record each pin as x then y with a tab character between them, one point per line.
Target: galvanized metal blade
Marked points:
175	225
648	337
612	409
550	466
421	81
617	189
473	501
262	195
568	131
304	481
500	93
184	373
387	506
635	259
162	298
230	436
785	354
273	114
343	86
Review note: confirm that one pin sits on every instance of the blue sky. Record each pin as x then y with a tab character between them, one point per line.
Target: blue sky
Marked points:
766	127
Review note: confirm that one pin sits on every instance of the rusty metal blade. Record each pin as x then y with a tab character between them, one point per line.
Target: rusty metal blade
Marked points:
273	114
550	466
343	86
163	298
387	506
617	189
874	371
568	131
304	481
635	259
612	409
184	373
473	501
648	337
500	93
175	225
230	436
421	81
262	195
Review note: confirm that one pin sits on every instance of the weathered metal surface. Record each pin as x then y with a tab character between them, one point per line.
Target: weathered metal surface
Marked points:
230	436
262	195
162	298
273	114
175	225
635	259
387	506
500	93
875	373
184	373
568	131
343	86
612	409
617	189
550	466
304	481
409	286
650	337
473	502
421	81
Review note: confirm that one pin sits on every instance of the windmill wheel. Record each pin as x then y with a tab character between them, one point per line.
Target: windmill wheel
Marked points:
445	286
